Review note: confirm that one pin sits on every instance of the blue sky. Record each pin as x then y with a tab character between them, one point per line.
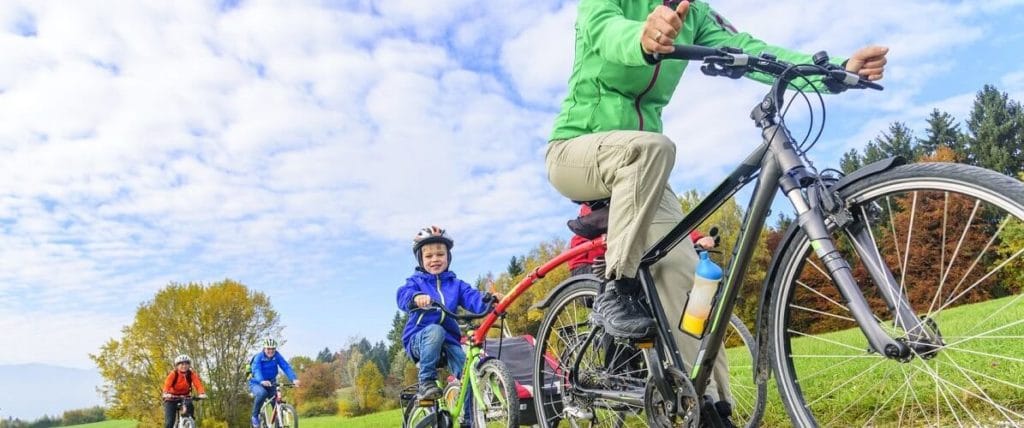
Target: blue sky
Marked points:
296	146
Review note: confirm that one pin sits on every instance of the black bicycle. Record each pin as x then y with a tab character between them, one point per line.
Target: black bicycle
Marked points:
181	417
893	299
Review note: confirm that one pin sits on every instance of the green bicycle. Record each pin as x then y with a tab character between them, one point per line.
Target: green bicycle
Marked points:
495	400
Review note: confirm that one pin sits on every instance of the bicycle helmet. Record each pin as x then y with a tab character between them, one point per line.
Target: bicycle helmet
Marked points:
182	359
431	235
269	343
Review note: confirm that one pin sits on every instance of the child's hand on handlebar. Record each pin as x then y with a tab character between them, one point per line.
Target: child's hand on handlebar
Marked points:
422	301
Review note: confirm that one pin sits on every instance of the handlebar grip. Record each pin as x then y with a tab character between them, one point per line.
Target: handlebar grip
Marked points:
688	53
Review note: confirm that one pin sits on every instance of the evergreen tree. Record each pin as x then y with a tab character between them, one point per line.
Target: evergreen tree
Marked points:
996	132
942	131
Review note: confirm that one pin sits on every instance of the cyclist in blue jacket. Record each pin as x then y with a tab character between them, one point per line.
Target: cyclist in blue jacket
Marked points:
428	333
264	366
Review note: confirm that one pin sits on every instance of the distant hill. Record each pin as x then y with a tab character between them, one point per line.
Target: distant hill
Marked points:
30	391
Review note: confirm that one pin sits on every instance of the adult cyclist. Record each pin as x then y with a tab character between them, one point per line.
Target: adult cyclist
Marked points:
180	382
607	142
264	369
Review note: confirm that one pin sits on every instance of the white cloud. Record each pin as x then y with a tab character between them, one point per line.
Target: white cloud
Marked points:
274	143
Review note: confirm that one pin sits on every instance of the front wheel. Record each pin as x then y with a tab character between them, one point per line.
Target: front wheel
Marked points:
287	417
951	236
500	401
186	422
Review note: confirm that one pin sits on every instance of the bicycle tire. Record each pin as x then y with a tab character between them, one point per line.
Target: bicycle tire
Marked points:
287	416
498	391
749	397
925	219
553	400
417	416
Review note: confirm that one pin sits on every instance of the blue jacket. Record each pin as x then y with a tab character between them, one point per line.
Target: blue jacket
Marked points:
445	289
264	368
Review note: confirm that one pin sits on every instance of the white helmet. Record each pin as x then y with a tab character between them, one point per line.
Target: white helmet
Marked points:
431	235
182	359
269	343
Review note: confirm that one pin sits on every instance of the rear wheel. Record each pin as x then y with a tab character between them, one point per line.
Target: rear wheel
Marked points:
603	364
952	237
749	397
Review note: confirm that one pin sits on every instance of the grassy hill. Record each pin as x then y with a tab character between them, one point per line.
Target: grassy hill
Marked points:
390	418
109	424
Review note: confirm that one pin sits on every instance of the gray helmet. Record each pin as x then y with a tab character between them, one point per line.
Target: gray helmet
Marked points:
182	359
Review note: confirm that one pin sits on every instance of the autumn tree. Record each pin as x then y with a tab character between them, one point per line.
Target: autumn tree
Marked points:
217	325
300	363
319	383
368	392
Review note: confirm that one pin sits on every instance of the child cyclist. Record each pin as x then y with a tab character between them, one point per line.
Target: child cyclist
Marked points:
429	332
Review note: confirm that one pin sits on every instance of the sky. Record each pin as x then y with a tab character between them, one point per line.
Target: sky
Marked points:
297	146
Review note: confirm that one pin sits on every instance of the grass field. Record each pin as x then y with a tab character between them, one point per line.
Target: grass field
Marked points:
847	386
109	424
390	418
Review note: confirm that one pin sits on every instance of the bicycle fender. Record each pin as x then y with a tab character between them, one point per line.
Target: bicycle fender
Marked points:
763	348
546	301
869	170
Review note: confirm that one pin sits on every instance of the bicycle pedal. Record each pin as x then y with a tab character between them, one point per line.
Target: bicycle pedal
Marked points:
427	403
644	344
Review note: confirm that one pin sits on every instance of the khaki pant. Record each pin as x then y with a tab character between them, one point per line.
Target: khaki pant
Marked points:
632	168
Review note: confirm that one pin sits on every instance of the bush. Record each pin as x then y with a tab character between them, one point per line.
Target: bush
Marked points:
214	423
84	416
348	407
318	407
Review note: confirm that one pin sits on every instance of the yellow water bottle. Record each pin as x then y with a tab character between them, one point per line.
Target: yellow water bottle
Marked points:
698	306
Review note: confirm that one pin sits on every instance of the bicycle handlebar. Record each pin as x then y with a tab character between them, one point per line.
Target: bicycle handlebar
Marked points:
467	317
734	63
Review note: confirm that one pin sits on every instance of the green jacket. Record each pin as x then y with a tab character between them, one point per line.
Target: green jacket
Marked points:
614	88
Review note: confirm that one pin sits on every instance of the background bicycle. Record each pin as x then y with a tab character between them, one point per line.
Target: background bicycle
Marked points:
276	412
182	420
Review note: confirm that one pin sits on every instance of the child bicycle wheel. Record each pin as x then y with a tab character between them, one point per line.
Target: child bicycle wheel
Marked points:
498	394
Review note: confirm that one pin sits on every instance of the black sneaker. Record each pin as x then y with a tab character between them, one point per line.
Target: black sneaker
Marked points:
725	413
428	391
620	313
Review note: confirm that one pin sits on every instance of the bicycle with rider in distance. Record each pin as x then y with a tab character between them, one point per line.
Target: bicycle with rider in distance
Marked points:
182	419
893	299
275	412
495	402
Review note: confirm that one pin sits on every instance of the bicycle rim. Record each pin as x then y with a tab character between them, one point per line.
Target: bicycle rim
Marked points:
953	237
562	337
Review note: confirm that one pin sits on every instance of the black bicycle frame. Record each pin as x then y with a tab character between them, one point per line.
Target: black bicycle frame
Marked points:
774	164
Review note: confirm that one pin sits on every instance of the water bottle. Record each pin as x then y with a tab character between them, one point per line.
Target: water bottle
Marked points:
698	306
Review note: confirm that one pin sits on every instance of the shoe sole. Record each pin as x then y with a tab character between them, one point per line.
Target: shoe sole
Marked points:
648	333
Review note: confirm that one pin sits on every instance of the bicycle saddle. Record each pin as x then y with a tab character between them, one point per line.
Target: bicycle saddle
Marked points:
593	224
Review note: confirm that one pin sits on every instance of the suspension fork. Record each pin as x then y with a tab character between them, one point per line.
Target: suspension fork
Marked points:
792	180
